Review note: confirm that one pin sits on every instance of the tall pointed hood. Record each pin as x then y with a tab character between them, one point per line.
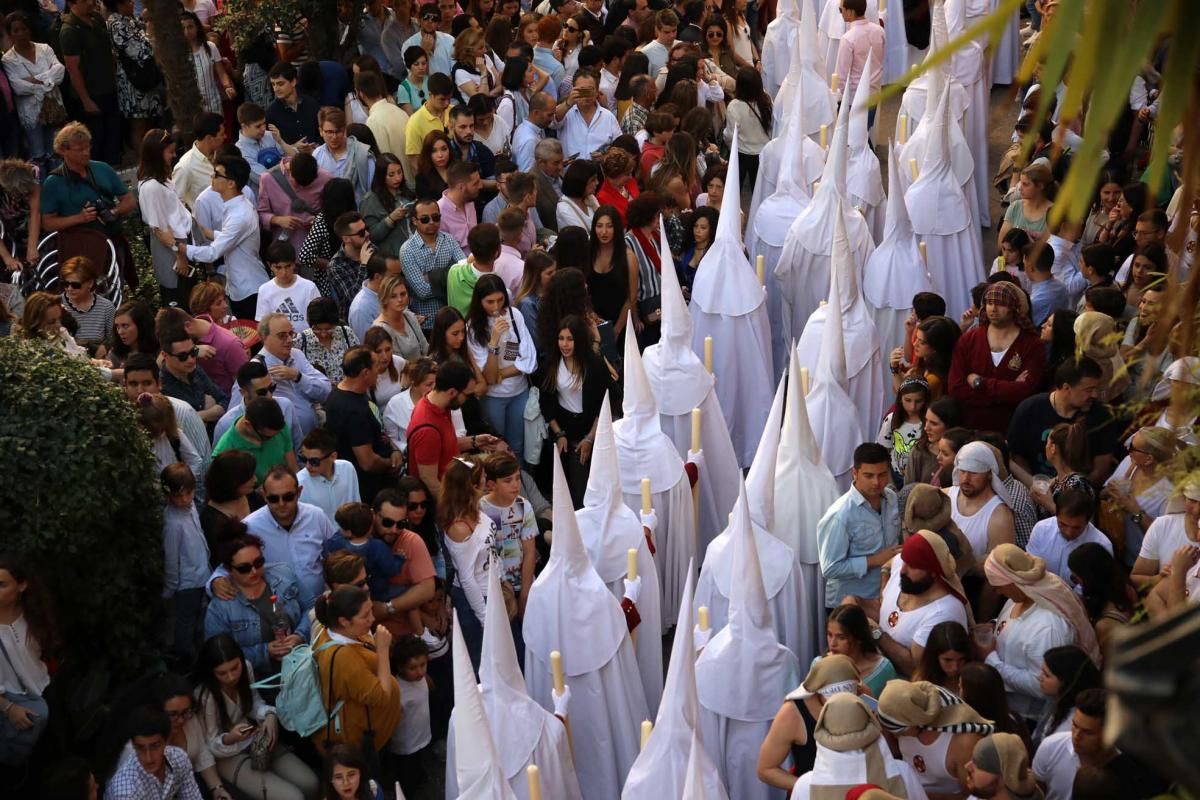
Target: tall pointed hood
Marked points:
862	167
725	282
807	67
515	718
760	482
776	212
747	645
677	375
476	764
895	271
832	412
804	486
570	609
643	450
936	203
778	41
700	784
608	526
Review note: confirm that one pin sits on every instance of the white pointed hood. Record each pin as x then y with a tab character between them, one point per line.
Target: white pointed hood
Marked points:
863	180
831	23
608	526
778	41
776	213
831	411
804	486
747	646
515	718
760	482
703	782
476	764
725	282
936	204
643	450
677	375
570	609
895	271
807	67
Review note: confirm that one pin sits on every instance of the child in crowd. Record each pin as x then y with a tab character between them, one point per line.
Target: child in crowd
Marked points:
185	554
514	522
410	742
328	481
1012	256
355	521
435	616
903	425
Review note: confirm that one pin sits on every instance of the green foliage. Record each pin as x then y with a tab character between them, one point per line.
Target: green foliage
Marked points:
244	20
147	286
80	498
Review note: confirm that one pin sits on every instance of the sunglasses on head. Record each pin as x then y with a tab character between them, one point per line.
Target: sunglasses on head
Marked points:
245	569
390	523
431	16
314	462
186	355
74	284
286	497
266	390
425	219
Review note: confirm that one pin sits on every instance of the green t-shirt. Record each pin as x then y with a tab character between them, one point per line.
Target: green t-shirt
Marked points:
94	48
460	285
266	455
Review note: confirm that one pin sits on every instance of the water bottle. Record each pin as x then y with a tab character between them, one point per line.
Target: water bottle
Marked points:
280	627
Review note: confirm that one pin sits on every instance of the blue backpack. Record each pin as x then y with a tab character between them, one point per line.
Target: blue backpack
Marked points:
300	706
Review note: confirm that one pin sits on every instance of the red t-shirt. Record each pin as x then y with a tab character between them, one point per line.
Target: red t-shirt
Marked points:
431	437
418	567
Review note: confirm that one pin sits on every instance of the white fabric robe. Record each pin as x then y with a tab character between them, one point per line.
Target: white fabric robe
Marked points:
674	541
733	746
607	709
552	755
648	647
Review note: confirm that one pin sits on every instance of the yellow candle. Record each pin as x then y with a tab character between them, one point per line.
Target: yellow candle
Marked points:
759	267
824	136
535	782
708	353
924	251
695	429
556	669
912	167
902	123
647	729
702	614
804	384
631	563
834	80
646	496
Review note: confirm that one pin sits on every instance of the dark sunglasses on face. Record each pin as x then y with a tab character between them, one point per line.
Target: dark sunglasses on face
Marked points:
360	232
74	284
245	569
266	390
415	506
286	497
390	523
186	355
315	462
425	219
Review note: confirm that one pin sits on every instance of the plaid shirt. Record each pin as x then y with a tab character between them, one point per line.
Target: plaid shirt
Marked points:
1023	510
635	119
341	280
131	782
418	261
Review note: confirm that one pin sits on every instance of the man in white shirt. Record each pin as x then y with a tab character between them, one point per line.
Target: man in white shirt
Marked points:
666	24
584	127
1053	540
532	130
237	240
342	156
1167	534
194	172
327	480
437	45
612	54
287	293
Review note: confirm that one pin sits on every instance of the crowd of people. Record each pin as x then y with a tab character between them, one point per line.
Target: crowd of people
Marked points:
458	367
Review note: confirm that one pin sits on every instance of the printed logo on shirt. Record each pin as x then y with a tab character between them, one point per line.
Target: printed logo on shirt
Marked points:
919	764
893	619
288	307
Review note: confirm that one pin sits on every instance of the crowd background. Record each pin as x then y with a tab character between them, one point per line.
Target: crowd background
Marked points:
448	218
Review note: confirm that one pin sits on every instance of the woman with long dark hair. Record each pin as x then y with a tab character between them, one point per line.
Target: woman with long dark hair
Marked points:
947	651
175	694
162	210
1066	671
612	269
933	349
700	236
433	164
1108	595
983	690
635	63
422	518
385	208
578	203
540	267
750	114
941	416
346	774
238	723
29	637
1058	331
574	384
322	243
133	332
848	633
1066	450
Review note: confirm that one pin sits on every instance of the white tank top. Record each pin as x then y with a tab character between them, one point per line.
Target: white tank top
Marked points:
975	526
413	732
906	627
929	762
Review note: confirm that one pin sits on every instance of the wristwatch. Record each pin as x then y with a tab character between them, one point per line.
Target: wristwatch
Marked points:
877	633
978	382
494	350
390	608
1138	517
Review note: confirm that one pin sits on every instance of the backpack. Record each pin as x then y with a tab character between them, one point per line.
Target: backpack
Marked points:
300	706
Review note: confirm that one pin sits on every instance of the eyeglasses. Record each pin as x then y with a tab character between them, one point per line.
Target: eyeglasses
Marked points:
316	462
266	390
390	523
573	28
276	499
186	355
284	335
249	566
74	284
360	232
425	219
415	506
185	714
715	35
220	175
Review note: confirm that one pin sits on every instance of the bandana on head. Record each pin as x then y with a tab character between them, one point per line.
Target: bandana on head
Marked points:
926	551
1009	295
926	706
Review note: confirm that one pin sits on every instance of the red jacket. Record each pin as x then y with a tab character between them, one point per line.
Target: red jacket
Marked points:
990	406
609	195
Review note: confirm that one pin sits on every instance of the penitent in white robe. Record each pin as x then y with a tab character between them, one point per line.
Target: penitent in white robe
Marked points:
674	551
552	755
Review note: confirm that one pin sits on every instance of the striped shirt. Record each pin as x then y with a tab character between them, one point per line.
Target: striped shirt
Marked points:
419	260
95	324
649	278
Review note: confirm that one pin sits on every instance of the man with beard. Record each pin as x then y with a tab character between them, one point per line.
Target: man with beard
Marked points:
922	590
999	770
979	502
418	573
999	363
432	442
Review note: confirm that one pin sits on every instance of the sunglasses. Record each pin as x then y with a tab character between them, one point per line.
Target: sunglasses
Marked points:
250	566
431	16
415	506
186	355
573	28
266	390
360	232
74	284
716	35
428	218
390	523
315	462
286	497
181	714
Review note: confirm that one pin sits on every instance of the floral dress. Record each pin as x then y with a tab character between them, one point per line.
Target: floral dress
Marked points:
129	36
328	360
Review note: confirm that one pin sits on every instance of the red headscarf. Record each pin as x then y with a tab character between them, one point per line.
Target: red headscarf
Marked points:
920	552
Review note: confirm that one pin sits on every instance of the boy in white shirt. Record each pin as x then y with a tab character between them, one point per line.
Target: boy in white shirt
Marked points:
287	293
328	481
410	741
515	524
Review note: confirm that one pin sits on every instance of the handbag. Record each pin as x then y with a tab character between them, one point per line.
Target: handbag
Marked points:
52	113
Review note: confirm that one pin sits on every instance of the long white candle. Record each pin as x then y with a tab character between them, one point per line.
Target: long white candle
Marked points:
535	782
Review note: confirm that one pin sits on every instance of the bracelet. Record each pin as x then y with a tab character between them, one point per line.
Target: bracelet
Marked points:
560	435
473	445
9	708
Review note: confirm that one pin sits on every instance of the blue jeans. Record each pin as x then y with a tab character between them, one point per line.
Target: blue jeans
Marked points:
16	746
506	415
472	629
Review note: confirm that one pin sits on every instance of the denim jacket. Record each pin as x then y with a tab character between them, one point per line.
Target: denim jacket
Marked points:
238	618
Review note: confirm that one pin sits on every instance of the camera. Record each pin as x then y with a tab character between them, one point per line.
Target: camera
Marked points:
104	210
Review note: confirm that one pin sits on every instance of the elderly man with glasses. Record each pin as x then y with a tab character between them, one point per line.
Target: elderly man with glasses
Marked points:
294	375
253	381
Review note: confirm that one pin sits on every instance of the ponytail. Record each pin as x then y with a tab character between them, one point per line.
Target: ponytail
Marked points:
1071	439
342	603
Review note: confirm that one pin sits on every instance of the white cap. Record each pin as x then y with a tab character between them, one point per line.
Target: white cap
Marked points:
862	166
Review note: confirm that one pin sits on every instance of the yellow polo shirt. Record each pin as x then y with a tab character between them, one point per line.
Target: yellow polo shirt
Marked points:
419	126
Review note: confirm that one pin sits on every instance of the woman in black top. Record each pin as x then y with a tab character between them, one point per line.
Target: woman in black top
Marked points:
574	383
229	486
611	268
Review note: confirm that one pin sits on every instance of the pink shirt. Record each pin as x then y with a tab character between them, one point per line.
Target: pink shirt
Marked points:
510	267
861	37
458	222
222	367
274	202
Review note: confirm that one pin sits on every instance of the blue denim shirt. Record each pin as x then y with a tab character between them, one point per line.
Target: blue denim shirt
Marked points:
238	618
849	532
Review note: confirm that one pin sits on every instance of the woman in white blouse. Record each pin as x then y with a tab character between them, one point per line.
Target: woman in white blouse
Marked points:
419	375
470	541
163	211
388	366
35	74
234	719
187	733
578	204
503	349
26	640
